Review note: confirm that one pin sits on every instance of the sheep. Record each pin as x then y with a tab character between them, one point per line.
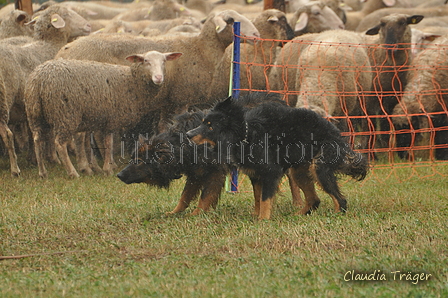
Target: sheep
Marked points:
273	26
163	26
314	17
390	58
372	19
355	17
52	29
338	6
6	10
189	84
425	36
73	96
425	101
159	10
87	9
334	75
14	25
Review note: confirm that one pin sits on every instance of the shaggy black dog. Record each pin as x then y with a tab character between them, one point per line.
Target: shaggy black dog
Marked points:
169	155
268	140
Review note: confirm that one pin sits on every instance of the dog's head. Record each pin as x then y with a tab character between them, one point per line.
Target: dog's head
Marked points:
152	163
223	123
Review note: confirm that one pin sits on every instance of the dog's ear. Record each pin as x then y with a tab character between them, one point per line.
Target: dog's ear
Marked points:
224	105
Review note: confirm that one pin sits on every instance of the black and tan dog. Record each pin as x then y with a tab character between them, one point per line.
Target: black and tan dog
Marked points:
268	140
169	155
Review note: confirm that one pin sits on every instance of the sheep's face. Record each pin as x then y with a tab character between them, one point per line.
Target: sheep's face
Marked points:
279	27
59	19
76	24
154	63
393	29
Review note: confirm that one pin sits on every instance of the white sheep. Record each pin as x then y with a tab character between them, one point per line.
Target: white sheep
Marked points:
73	96
372	19
314	17
190	79
425	101
14	25
334	75
52	29
355	17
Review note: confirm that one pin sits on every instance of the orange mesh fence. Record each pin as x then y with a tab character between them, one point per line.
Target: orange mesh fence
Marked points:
390	102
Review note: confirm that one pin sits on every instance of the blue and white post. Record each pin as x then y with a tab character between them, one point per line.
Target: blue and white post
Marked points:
234	86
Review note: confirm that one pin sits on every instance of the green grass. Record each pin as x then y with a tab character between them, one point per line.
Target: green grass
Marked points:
118	242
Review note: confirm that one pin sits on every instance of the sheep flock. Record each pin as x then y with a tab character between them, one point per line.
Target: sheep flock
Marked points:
85	79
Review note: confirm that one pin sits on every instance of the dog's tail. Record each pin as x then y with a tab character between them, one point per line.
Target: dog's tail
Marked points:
355	165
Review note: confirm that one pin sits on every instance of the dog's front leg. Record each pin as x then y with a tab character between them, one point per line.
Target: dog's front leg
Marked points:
190	192
213	185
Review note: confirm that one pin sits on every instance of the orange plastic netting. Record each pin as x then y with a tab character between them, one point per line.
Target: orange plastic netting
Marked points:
391	102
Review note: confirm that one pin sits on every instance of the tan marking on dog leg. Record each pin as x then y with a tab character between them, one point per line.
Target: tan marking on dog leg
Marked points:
295	190
190	192
266	208
337	207
257	188
304	178
213	186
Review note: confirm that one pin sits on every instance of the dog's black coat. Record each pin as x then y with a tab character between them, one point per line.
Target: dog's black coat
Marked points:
271	138
169	155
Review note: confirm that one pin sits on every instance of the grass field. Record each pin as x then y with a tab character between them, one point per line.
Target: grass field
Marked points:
97	237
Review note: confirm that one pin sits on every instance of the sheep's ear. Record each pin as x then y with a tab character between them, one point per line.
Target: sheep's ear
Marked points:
430	36
33	21
220	23
273	19
374	30
91	12
301	22
172	56
389	3
21	17
415	19
135	58
57	21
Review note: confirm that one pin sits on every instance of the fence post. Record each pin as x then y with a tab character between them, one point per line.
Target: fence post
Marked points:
234	89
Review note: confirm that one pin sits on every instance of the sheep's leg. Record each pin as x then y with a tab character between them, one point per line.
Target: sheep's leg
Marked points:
61	147
81	156
108	166
50	145
91	144
8	139
38	149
